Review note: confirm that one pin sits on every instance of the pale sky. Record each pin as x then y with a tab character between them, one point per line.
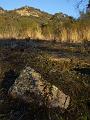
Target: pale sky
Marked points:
51	6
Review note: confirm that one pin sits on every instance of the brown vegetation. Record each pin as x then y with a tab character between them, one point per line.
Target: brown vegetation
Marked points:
65	74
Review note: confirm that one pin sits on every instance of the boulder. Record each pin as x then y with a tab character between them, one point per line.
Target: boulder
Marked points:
31	87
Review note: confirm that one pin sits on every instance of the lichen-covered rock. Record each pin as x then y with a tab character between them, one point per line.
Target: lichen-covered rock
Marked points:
31	87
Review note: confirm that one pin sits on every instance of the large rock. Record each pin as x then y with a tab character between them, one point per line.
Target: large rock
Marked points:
31	87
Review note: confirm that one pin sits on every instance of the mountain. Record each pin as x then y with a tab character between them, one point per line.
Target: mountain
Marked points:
1	10
30	11
29	22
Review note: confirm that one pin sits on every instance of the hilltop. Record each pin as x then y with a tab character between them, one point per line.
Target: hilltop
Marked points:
32	23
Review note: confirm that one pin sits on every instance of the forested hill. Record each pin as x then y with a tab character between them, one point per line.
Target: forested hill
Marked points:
28	22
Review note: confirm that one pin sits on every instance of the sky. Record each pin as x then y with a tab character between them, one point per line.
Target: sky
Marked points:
51	6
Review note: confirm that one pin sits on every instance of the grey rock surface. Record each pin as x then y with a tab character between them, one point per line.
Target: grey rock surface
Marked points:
31	87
